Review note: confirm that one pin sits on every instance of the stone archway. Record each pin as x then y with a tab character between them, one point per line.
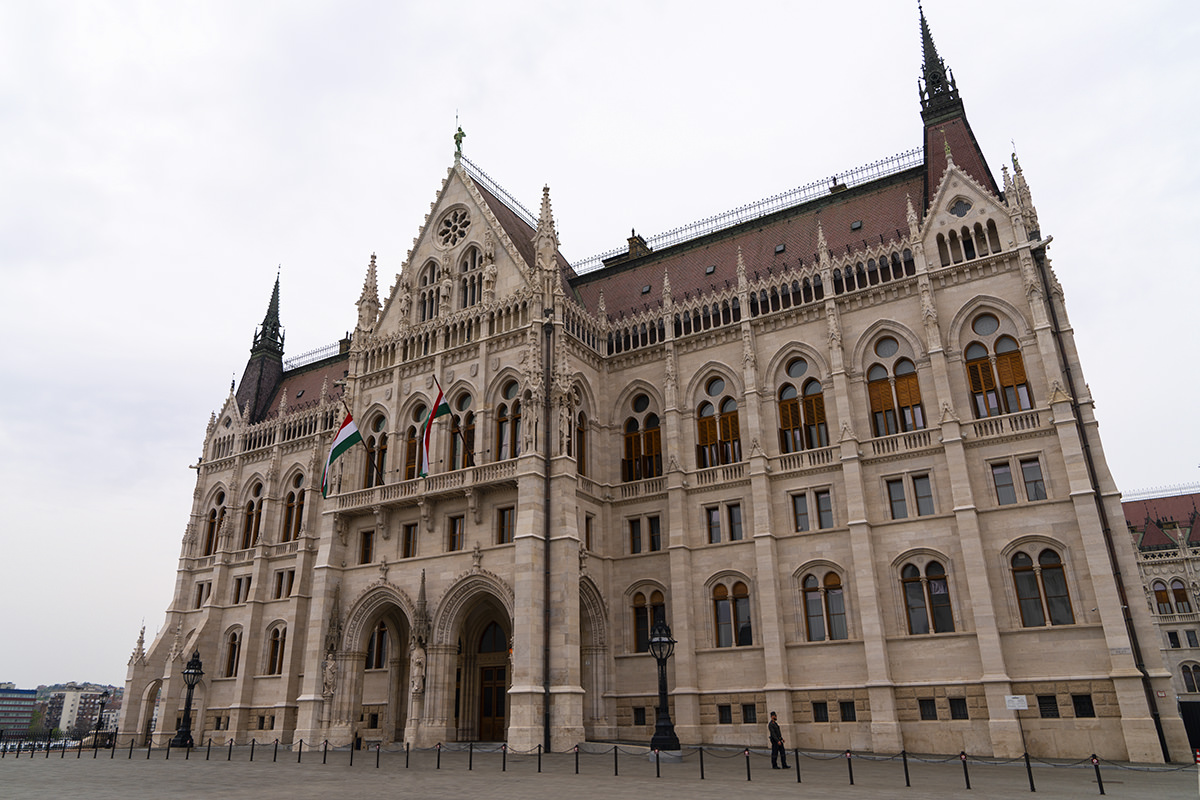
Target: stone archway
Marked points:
593	660
370	703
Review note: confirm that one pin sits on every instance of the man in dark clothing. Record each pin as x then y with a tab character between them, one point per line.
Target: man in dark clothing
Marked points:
776	737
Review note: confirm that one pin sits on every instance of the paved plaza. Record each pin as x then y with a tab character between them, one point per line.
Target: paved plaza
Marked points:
233	775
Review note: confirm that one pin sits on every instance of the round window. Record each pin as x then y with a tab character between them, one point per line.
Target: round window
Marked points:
298	481
257	489
453	227
715	387
418	414
985	324
797	367
641	403
510	390
220	498
379	423
464	402
886	347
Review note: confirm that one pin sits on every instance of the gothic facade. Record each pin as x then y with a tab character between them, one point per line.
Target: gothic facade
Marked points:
842	444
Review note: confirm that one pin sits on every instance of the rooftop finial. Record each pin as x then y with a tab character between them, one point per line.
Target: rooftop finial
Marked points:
458	137
939	92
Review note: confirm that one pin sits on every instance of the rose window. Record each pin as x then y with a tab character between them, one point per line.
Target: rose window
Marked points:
453	227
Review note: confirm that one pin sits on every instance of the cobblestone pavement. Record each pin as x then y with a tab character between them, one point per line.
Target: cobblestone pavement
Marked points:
233	776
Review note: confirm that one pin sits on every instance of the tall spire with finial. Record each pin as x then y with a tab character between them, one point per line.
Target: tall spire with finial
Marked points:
939	93
368	301
264	370
269	336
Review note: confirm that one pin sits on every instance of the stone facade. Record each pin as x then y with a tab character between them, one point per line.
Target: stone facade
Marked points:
820	440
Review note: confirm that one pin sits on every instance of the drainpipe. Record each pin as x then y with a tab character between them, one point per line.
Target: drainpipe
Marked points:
1038	250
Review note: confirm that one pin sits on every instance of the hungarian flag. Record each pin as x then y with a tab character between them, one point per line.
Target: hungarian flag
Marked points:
347	437
440	409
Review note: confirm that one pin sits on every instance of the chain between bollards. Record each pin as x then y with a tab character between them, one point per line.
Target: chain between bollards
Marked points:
1096	766
962	756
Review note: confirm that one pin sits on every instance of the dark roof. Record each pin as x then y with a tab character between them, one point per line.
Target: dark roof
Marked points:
879	205
519	231
1178	508
1153	537
963	149
302	386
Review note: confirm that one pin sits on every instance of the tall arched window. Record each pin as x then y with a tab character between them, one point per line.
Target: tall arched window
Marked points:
275	648
642	457
1179	592
731	615
802	422
212	527
411	447
470	281
376	444
824	608
998	383
927	599
377	647
893	390
427	297
1162	597
646	614
581	448
508	424
293	511
233	653
252	522
1190	673
718	434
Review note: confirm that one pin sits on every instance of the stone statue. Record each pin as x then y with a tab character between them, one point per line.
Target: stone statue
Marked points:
458	139
418	671
329	681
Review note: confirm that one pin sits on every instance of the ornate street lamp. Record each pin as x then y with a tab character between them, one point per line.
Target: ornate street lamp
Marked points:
100	718
661	647
191	676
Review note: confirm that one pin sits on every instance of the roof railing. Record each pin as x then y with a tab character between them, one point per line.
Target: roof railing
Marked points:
479	176
312	356
1177	490
769	205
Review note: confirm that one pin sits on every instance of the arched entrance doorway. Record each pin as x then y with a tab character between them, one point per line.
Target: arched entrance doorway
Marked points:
483	674
494	681
377	689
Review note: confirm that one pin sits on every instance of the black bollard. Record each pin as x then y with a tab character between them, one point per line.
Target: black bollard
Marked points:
1096	766
657	770
904	758
439	755
406	751
112	750
208	750
378	747
325	751
796	762
470	756
701	763
1029	772
504	757
230	756
251	749
78	749
615	759
576	759
747	753
850	766
168	755
539	758
352	747
962	755
275	755
187	752
130	749
148	745
300	751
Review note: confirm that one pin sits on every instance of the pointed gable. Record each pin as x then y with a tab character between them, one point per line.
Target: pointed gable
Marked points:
1154	538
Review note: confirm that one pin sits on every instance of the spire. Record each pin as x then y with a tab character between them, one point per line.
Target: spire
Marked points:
368	301
269	336
939	94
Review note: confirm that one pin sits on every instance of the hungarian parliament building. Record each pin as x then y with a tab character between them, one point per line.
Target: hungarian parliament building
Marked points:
840	442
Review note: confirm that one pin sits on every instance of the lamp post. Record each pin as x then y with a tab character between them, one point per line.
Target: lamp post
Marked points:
661	647
100	718
191	676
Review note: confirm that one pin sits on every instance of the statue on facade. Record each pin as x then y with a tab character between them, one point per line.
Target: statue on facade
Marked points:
329	678
418	671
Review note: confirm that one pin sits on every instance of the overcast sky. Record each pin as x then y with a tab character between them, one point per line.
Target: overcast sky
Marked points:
161	160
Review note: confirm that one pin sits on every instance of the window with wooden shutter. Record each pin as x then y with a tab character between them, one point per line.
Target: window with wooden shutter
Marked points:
1013	383
908	395
652	448
883	411
706	437
631	464
731	442
816	431
789	421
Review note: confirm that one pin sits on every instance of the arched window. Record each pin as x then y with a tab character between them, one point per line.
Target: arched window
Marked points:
731	615
730	432
718	435
1182	604
1189	677
493	639
275	648
642	453
581	451
508	424
427	298
233	653
646	614
1162	598
470	278
998	383
824	608
895	396
791	428
376	444
377	647
253	518
802	422
216	515
293	510
411	448
927	599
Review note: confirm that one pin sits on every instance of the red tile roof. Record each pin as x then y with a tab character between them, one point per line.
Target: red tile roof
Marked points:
1153	536
1178	508
879	205
302	386
963	149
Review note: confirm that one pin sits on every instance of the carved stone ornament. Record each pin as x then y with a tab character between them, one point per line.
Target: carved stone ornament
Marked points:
476	558
329	675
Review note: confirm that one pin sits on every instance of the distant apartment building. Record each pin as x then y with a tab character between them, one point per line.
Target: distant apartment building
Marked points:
16	709
73	710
